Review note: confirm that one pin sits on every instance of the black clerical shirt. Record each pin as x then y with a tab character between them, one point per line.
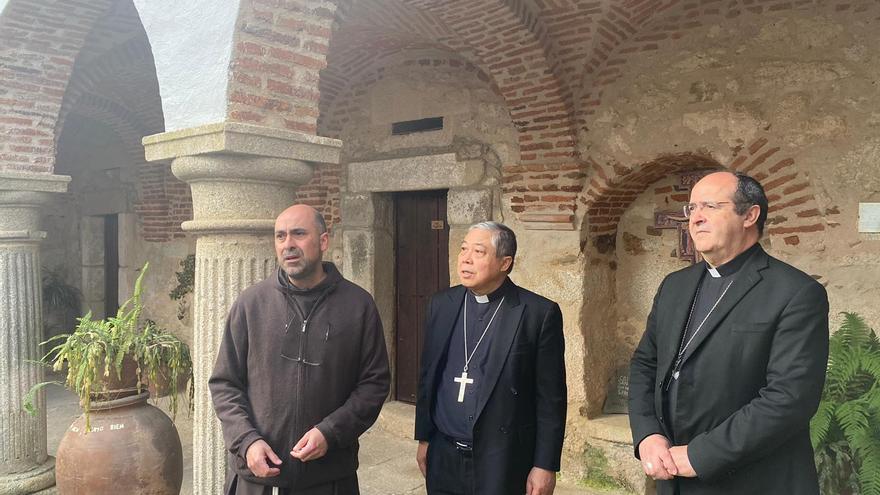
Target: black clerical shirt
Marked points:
712	286
456	419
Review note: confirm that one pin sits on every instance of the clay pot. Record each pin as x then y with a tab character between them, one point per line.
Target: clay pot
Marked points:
116	386
162	386
132	448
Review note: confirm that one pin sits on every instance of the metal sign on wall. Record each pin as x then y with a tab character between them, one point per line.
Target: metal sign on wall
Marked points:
869	218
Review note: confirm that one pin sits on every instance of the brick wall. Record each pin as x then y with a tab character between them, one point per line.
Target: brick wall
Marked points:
164	203
279	48
322	192
38	44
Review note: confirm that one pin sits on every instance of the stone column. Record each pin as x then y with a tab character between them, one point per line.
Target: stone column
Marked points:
242	177
25	466
368	254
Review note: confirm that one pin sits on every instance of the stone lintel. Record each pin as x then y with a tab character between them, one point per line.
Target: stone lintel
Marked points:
241	139
418	173
547	221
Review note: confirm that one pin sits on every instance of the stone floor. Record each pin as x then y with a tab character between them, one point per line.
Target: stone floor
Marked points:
387	465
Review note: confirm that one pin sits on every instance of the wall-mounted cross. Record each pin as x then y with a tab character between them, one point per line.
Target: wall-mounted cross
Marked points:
675	219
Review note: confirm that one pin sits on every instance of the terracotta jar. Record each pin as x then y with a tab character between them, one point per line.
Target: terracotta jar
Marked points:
132	448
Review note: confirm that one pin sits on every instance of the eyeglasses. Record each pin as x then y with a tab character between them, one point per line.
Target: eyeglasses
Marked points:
709	206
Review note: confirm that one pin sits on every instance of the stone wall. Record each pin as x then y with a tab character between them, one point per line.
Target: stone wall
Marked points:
757	94
106	180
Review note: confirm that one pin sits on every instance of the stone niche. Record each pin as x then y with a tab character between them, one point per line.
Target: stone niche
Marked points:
645	252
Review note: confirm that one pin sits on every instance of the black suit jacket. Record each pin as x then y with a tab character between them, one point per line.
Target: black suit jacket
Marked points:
751	380
521	408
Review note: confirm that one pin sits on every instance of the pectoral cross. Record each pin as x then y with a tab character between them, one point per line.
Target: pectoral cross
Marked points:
463	381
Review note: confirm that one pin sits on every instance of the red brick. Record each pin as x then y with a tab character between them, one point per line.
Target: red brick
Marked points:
801	229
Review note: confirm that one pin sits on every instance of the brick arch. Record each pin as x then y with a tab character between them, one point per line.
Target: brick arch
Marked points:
376	33
793	213
124	77
124	123
616	27
500	38
164	202
608	196
335	117
43	39
606	200
322	191
361	53
114	81
513	55
793	208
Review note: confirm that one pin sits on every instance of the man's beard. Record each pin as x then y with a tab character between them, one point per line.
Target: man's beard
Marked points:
306	268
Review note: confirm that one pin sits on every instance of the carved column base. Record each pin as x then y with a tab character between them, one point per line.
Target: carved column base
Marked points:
35	480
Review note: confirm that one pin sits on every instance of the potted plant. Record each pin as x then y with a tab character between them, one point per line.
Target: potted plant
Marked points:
61	301
845	430
186	280
109	364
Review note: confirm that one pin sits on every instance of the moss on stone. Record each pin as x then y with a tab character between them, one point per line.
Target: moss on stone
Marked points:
596	471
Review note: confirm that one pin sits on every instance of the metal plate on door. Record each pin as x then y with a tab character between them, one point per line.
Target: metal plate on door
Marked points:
438	224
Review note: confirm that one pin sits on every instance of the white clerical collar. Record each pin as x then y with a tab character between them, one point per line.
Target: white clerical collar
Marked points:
713	271
484	299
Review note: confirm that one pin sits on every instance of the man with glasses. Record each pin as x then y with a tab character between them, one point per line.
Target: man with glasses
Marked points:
731	366
302	371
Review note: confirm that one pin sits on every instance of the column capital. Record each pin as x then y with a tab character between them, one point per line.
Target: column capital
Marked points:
21	196
234	138
241	175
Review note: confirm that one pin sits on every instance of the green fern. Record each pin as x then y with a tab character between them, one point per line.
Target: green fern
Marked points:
98	347
845	430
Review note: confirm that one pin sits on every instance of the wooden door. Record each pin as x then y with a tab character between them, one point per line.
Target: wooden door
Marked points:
111	264
422	254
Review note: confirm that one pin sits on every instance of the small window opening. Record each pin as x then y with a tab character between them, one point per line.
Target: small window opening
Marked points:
413	126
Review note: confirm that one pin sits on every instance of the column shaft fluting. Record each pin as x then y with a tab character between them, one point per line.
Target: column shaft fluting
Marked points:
22	436
25	466
225	265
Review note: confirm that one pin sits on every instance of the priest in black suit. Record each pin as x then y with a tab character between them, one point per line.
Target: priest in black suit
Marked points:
490	413
731	366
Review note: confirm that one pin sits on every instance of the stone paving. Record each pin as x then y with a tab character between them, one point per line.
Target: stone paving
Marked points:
387	456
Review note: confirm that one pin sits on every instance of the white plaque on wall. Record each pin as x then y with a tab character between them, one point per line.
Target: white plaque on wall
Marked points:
869	218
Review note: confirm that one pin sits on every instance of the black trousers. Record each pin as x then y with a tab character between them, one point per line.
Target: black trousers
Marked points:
450	468
345	486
